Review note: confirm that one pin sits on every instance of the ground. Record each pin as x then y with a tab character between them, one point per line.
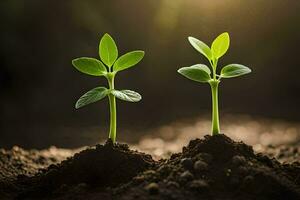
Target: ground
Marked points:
233	170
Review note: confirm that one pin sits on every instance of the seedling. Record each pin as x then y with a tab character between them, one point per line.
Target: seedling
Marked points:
108	67
202	73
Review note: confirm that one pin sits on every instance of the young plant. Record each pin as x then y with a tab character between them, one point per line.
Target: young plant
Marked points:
108	67
202	73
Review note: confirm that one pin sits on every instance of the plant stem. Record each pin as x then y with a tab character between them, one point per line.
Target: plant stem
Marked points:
113	109
215	128
214	84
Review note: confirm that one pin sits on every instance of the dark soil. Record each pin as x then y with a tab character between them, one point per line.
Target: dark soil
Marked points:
215	167
100	167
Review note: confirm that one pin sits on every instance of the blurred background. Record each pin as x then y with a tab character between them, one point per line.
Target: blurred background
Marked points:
39	86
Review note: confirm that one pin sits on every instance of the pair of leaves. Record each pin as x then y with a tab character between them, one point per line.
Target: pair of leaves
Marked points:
218	48
99	93
108	53
201	73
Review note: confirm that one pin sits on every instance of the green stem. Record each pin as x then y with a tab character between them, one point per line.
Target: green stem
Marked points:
113	109
215	128
214	84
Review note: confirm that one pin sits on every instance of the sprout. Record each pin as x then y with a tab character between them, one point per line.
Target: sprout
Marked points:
108	67
201	73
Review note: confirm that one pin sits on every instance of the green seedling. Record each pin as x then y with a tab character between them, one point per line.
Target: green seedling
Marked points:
108	67
202	73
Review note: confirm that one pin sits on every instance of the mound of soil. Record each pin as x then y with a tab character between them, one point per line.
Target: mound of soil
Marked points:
215	167
103	166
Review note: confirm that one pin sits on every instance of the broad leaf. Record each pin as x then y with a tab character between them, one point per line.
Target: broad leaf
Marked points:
127	95
203	67
201	47
220	45
90	66
196	73
234	70
92	96
128	60
108	50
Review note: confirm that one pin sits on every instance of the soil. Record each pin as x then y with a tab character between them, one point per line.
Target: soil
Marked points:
96	167
17	161
215	167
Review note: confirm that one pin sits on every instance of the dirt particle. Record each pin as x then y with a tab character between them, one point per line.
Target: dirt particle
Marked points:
206	157
186	176
238	160
228	172
187	163
242	170
172	184
200	166
199	185
152	188
164	170
138	179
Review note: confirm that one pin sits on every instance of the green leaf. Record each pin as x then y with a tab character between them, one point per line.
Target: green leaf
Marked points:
203	67
92	96
128	60
234	70
108	50
220	45
127	95
196	73
90	66
201	47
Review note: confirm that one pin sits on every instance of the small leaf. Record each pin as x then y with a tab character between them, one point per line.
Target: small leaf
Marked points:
128	60
201	47
108	50
90	66
127	95
196	73
220	45
92	96
234	70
